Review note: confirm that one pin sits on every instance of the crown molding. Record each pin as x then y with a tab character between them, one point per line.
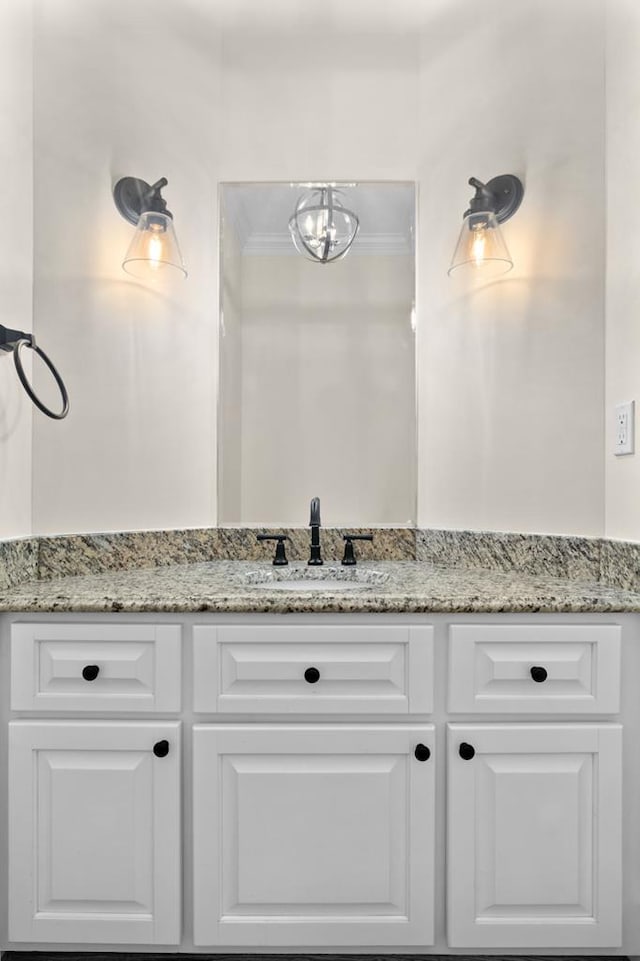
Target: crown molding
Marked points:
365	245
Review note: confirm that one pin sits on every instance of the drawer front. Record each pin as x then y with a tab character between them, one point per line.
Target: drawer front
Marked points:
53	667
519	669
313	670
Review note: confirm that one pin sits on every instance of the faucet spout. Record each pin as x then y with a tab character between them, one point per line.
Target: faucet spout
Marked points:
315	558
315	512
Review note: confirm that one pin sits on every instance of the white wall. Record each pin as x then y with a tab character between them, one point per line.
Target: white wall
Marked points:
16	218
623	258
125	89
511	376
512	388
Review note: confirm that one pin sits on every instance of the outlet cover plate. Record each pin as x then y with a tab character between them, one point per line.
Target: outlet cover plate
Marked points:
624	436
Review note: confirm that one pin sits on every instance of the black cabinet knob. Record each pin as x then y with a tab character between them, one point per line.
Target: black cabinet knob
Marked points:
538	674
90	672
161	748
466	751
422	752
312	675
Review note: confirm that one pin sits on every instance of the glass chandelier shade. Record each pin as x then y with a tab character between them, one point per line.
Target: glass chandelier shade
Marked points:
154	252
321	227
482	245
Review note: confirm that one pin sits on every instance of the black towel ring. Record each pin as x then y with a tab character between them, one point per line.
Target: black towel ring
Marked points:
27	342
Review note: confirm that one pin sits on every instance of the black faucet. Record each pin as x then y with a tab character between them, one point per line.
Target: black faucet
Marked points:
314	523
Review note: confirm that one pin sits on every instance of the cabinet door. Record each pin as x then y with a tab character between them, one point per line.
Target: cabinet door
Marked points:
318	835
94	816
534	837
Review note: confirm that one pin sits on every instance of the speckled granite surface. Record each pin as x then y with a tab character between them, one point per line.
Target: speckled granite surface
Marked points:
572	557
169	570
409	587
18	561
576	558
75	554
620	564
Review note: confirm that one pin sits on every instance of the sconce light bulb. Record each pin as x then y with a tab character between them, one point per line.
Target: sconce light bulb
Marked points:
481	245
478	246
154	250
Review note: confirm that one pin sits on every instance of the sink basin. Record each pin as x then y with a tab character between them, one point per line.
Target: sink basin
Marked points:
307	579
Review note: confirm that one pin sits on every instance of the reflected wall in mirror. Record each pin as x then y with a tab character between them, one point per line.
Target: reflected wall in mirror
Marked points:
317	392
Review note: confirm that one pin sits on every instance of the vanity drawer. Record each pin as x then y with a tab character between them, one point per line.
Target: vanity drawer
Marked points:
53	667
522	669
313	670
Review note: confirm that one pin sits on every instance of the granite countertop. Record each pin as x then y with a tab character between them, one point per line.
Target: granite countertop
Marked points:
409	587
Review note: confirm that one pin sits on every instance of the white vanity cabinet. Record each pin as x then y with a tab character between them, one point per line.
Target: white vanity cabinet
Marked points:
94	841
94	805
373	783
314	835
534	810
534	835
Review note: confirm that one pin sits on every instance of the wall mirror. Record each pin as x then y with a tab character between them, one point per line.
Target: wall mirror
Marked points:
317	388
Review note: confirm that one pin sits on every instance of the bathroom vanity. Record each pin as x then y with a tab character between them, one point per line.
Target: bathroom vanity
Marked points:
318	780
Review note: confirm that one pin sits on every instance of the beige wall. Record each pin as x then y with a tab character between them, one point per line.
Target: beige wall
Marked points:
16	218
510	376
623	258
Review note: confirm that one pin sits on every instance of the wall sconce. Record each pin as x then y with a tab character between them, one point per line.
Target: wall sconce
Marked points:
321	227
153	251
481	243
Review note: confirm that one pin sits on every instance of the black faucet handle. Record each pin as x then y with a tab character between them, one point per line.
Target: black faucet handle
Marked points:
349	558
280	557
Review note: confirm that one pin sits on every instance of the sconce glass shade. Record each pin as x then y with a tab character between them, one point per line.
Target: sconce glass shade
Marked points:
321	227
481	245
154	252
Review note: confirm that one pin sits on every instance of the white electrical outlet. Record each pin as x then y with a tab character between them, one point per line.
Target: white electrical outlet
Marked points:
624	438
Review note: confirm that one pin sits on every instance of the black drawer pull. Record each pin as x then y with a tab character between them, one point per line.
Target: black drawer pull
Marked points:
466	751
90	672
422	752
312	675
538	674
161	748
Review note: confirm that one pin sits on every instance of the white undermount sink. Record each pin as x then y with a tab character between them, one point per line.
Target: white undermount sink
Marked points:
306	579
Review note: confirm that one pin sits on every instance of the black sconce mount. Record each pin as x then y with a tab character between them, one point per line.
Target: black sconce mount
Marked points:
134	197
502	195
